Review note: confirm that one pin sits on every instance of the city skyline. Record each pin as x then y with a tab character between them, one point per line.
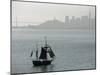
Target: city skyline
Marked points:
39	12
83	22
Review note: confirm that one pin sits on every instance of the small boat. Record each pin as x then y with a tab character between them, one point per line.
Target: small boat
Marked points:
43	59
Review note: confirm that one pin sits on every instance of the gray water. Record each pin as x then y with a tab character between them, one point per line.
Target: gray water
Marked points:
74	49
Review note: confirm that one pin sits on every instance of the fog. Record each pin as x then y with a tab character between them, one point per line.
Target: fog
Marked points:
37	13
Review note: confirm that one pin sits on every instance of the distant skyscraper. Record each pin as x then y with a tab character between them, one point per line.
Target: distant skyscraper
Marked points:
85	20
78	21
72	21
67	20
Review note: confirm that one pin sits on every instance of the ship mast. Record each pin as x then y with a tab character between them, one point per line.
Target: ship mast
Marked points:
46	49
49	49
36	51
45	41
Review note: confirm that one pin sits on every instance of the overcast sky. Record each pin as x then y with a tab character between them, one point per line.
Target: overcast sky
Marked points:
29	12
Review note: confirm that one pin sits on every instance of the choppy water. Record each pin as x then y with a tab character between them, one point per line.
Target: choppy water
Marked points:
74	49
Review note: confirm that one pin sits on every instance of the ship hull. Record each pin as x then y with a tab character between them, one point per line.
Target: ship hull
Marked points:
39	63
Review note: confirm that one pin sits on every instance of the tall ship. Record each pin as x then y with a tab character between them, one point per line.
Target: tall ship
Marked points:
42	58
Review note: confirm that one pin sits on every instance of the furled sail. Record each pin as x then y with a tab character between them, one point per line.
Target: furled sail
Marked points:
37	54
51	53
43	54
31	54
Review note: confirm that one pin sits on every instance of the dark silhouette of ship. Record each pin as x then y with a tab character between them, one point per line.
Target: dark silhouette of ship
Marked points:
43	59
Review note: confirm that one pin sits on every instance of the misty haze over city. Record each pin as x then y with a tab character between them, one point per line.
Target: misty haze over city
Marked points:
36	15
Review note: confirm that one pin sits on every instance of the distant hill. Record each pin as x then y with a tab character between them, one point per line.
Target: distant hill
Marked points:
56	24
52	24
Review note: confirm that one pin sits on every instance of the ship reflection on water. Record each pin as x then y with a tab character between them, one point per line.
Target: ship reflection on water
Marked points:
44	68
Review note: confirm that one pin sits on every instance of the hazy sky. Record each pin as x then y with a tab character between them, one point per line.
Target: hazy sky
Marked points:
35	13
